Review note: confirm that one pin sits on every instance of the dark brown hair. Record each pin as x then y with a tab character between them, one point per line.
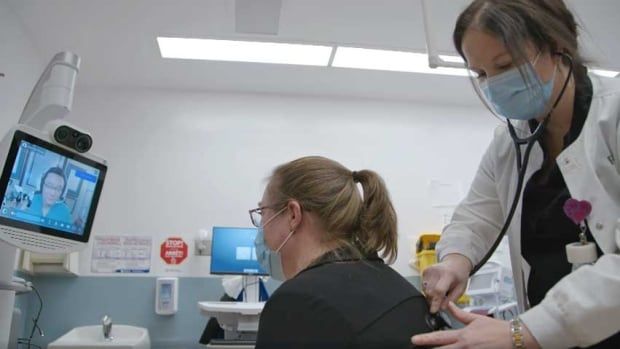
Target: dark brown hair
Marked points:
57	171
329	189
547	24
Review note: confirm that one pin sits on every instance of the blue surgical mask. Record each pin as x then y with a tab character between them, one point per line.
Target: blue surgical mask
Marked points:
517	98
270	260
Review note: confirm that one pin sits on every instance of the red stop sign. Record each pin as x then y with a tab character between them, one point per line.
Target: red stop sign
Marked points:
173	251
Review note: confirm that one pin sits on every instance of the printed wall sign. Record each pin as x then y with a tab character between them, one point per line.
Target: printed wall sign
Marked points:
121	254
173	251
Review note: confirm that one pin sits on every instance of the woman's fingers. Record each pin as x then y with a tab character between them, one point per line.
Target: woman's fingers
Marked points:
436	338
453	295
438	294
457	291
444	282
452	346
462	315
429	279
444	303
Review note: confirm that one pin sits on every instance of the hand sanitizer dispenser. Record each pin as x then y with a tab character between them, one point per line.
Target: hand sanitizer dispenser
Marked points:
166	295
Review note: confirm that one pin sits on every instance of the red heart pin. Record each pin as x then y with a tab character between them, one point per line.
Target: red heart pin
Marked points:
577	210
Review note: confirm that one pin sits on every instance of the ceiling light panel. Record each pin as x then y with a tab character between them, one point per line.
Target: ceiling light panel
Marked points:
244	51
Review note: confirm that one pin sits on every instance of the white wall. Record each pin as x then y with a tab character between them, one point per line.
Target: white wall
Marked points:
20	63
180	161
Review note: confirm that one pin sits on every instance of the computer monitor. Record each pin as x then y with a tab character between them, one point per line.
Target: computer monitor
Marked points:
50	191
233	252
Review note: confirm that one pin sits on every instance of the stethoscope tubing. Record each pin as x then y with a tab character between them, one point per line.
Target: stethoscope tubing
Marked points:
522	163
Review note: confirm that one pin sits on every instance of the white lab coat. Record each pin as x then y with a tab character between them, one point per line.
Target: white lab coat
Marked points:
584	307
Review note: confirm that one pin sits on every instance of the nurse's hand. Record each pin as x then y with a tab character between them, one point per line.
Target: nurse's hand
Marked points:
480	332
446	281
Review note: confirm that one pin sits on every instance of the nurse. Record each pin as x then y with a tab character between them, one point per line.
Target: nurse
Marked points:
553	171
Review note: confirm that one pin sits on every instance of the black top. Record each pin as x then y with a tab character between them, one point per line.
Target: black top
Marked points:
545	228
348	303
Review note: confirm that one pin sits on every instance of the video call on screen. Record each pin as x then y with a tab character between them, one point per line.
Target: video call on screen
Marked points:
49	190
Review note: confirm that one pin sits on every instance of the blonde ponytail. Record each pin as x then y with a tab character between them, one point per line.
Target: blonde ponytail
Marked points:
378	224
327	188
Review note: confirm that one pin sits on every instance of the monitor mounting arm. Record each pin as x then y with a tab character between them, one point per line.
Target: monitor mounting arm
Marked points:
52	96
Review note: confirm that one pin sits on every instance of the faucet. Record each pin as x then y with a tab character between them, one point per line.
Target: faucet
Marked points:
107	327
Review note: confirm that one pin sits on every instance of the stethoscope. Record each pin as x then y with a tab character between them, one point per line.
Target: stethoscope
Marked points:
438	321
522	162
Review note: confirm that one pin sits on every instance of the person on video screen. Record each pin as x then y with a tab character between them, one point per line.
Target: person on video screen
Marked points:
48	201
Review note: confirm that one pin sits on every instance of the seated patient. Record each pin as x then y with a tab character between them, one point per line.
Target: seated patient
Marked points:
326	237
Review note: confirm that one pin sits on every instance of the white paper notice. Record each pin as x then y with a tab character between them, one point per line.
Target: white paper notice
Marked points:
121	254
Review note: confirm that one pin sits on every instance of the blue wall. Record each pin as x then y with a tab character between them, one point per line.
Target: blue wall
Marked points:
72	302
22	303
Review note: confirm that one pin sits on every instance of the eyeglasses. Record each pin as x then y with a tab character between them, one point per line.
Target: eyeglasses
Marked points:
256	215
53	188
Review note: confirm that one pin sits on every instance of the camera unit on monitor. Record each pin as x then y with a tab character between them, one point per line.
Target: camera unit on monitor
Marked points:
72	138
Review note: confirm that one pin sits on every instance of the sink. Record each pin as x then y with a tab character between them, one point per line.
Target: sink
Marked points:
91	337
